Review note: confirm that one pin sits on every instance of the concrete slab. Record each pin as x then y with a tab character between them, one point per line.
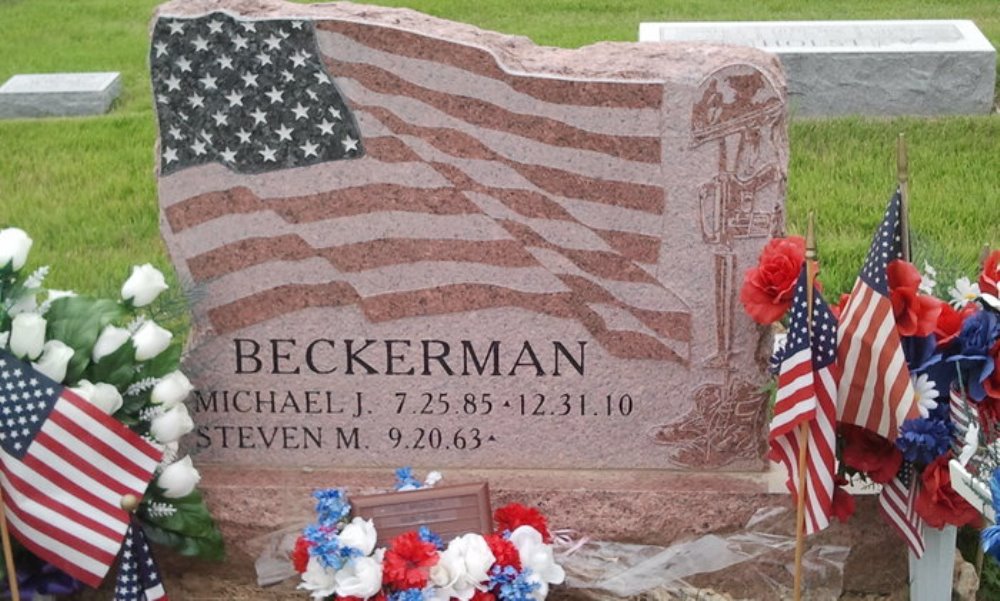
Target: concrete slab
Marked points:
934	67
58	94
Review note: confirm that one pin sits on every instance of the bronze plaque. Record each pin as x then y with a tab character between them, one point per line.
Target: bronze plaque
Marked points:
449	511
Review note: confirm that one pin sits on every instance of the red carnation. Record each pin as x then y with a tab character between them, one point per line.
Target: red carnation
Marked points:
300	554
868	452
509	517
843	502
768	288
938	503
479	595
916	314
408	561
989	278
504	551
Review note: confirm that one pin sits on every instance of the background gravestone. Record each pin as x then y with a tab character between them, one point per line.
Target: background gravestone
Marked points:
414	242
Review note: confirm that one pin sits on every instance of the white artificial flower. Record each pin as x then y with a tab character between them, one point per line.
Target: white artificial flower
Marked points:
172	389
27	335
4	337
103	396
14	247
463	567
150	340
963	292
171	424
925	393
359	534
539	558
318	579
54	360
178	479
432	479
144	285
109	341
928	279
361	577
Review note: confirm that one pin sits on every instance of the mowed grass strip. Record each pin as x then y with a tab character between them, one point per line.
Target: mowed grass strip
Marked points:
84	187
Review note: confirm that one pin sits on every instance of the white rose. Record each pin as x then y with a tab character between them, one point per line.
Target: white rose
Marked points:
318	579
178	479
539	557
172	389
27	335
109	341
54	360
144	285
463	567
150	340
14	247
172	424
359	534
361	577
103	396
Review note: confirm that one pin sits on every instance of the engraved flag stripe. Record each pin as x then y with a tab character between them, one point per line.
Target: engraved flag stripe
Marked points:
540	197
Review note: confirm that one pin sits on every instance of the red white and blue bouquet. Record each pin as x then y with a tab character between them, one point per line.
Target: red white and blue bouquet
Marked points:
338	559
951	348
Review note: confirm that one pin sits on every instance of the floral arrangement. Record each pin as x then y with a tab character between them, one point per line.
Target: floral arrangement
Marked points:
337	559
952	349
114	354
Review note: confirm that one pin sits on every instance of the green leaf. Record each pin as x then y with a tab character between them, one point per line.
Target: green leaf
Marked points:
116	369
164	363
78	321
190	530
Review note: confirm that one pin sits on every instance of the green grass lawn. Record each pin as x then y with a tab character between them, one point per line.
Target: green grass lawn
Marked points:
84	188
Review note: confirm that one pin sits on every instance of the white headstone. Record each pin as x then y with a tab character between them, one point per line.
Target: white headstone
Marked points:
58	94
864	67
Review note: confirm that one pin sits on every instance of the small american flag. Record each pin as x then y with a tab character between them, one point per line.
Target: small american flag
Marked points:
897	501
875	391
65	467
807	387
138	577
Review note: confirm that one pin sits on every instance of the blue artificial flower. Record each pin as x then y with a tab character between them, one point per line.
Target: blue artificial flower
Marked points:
408	594
512	585
326	548
991	536
405	479
979	332
923	440
428	536
920	352
331	505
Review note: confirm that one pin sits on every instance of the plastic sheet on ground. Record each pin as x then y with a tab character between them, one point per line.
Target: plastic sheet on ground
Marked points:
754	563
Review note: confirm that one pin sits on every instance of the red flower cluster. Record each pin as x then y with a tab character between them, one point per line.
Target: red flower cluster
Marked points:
868	452
300	554
408	562
938	503
990	277
916	314
509	517
504	551
768	288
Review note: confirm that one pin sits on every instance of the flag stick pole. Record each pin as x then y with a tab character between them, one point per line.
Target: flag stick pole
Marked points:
8	553
800	507
903	177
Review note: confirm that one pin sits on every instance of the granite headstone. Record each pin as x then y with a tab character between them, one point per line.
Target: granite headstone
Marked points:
413	242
